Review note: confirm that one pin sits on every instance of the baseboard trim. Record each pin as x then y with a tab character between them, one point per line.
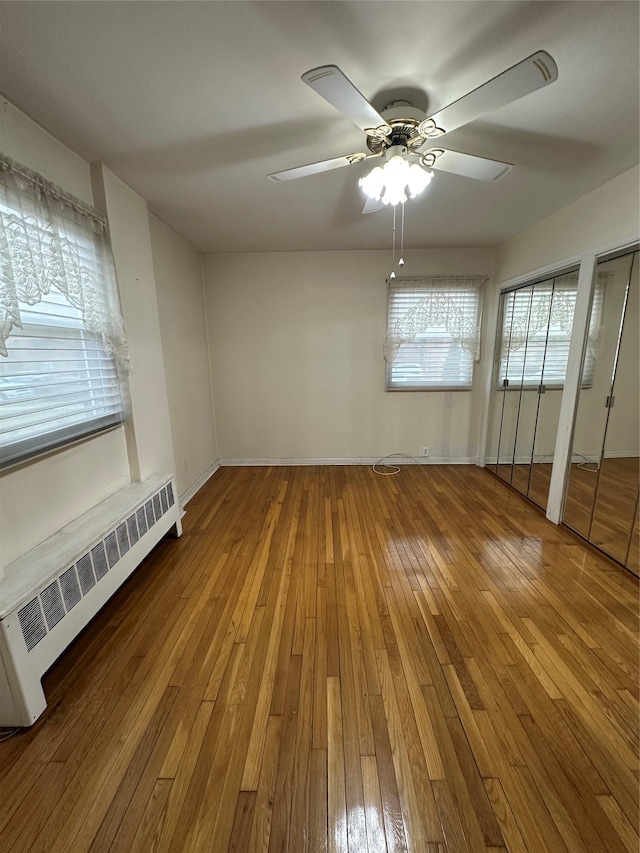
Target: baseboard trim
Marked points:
576	458
186	496
356	460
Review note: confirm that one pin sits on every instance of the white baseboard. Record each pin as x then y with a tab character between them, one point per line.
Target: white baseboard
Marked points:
537	460
576	458
199	483
356	460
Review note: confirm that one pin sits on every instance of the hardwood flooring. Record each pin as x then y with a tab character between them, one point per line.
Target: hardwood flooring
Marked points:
331	660
530	480
603	506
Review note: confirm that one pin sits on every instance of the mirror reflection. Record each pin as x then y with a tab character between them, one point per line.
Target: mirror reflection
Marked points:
535	331
602	492
633	557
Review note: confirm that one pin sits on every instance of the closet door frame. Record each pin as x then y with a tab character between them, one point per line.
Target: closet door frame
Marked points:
634	252
587	267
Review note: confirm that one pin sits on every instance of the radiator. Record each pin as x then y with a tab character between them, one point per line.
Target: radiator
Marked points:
48	595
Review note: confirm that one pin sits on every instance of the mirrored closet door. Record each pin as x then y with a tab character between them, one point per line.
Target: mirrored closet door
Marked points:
535	322
601	500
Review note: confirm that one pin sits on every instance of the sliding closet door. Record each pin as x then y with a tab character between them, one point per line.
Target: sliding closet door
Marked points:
515	315
602	492
523	366
533	355
496	395
556	308
496	401
536	321
633	557
617	488
595	388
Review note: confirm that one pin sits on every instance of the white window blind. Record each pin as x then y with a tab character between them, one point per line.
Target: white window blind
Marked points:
433	332
57	383
60	377
537	322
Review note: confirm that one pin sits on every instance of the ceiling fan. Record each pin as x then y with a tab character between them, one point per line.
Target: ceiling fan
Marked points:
404	135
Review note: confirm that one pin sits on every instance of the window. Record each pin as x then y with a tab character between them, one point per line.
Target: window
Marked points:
433	332
62	346
537	320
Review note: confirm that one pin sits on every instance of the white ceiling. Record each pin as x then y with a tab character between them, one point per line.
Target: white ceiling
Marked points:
194	103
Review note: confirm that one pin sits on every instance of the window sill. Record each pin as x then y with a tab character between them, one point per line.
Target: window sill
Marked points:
431	388
24	452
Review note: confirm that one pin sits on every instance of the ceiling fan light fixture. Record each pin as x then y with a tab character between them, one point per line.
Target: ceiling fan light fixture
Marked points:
396	181
373	183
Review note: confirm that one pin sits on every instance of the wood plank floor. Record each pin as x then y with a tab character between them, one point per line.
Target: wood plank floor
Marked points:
331	660
611	495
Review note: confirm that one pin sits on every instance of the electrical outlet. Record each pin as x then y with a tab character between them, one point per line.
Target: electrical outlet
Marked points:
424	451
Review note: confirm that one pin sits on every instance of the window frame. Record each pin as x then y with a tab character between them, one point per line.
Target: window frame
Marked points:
441	337
46	441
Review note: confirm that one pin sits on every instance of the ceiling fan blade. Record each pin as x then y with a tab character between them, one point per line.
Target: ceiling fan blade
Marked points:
469	166
316	168
332	85
534	72
372	205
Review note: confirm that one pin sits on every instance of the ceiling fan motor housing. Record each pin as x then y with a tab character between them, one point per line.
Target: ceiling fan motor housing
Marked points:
404	120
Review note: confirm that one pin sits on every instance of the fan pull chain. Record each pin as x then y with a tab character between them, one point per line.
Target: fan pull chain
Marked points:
393	244
401	261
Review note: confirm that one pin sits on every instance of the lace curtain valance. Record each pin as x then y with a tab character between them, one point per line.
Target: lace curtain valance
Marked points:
50	240
448	302
532	309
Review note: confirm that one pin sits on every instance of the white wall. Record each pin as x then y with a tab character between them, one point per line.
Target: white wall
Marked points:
32	146
148	430
178	275
608	216
38	498
297	365
41	496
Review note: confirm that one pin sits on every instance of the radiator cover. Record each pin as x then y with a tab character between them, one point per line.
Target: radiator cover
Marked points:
48	595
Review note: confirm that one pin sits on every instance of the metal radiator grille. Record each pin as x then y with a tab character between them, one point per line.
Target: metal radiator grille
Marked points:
47	609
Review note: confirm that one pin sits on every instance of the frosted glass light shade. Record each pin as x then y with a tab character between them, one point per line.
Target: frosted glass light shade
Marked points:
396	181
